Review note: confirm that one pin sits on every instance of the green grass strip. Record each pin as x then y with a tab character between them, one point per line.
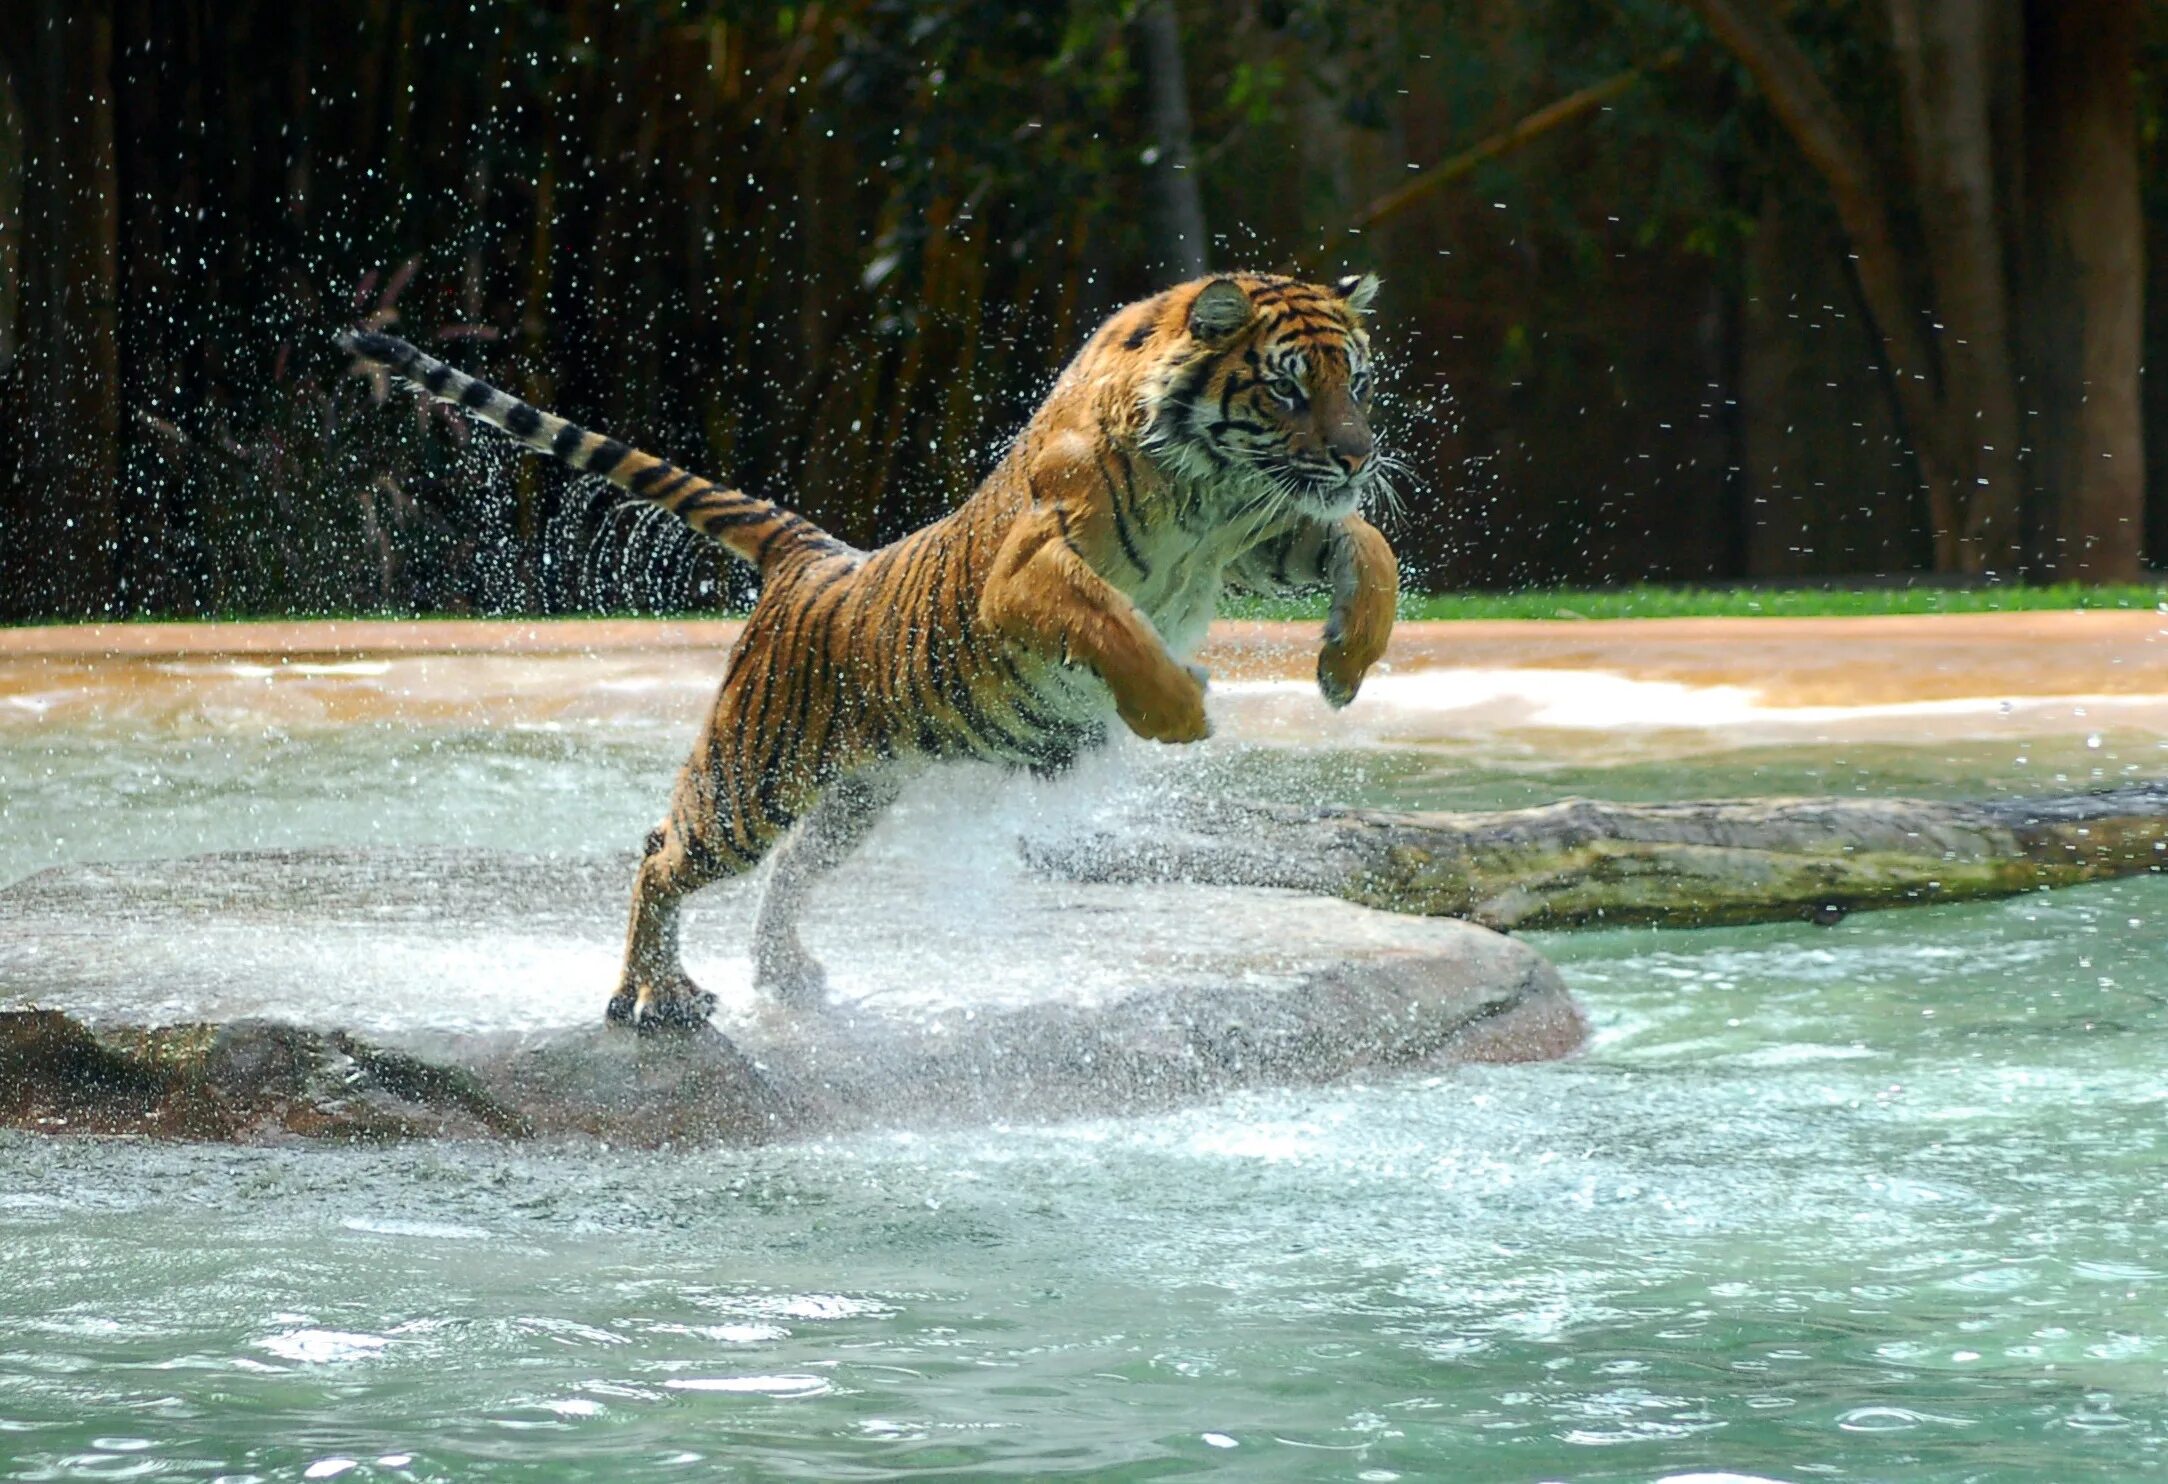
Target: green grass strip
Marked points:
1568	604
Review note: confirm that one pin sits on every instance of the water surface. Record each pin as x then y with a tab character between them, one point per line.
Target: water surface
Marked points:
1876	1201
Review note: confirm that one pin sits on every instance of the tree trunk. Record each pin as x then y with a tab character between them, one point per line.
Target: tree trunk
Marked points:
1583	864
2085	307
1805	108
1944	61
2079	299
1178	241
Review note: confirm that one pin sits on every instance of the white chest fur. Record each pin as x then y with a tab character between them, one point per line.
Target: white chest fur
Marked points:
1187	559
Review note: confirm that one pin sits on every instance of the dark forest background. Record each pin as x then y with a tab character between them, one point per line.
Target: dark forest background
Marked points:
1683	290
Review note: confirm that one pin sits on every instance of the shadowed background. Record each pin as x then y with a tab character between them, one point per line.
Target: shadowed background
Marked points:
1693	291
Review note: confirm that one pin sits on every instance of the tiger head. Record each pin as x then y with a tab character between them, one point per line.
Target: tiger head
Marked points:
1264	383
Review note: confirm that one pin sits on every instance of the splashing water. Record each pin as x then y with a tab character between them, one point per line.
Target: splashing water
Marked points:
1864	1202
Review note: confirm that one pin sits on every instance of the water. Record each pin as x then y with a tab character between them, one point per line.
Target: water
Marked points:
1874	1201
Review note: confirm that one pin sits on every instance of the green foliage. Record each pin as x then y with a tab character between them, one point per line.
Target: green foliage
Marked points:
836	252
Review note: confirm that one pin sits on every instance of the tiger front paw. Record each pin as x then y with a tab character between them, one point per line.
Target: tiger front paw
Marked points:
1167	705
1365	598
1340	672
1355	639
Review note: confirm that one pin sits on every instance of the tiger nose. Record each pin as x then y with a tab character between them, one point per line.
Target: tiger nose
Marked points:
1350	446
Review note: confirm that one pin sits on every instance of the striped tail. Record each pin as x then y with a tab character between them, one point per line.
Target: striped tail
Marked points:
749	527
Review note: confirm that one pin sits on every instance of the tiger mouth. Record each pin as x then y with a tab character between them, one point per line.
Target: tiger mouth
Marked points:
1331	494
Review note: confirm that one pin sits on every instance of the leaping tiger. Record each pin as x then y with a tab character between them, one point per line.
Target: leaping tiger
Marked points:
1216	433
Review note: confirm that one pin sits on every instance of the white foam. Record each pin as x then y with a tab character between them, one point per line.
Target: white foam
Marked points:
1598	700
776	1386
322	1346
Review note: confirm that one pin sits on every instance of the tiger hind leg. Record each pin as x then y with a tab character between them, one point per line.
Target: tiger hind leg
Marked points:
782	969
690	850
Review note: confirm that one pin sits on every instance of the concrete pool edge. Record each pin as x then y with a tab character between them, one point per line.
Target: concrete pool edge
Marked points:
1787	661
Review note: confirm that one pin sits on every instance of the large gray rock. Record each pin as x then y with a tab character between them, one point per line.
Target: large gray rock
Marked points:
398	994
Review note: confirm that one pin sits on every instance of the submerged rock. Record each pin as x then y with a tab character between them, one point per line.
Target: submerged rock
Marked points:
387	995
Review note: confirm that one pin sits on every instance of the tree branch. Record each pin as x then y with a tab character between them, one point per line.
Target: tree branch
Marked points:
1566	110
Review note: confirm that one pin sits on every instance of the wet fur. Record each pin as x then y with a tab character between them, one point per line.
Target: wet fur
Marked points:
1215	434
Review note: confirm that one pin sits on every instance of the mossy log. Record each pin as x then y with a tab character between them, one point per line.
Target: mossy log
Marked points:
1580	863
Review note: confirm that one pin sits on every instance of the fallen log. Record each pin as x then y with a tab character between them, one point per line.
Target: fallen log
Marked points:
1581	863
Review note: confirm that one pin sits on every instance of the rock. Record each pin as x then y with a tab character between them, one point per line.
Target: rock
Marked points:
245	1082
389	994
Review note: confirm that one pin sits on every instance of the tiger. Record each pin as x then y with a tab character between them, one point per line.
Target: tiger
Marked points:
1215	435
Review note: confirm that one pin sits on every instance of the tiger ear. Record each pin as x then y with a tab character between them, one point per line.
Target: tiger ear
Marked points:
1220	308
1357	290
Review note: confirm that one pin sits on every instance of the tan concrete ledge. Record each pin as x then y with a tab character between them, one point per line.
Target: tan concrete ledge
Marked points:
1789	661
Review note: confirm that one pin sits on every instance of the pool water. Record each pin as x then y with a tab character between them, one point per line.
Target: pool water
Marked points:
1876	1201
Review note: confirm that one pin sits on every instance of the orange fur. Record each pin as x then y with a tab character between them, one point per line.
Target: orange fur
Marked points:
1216	433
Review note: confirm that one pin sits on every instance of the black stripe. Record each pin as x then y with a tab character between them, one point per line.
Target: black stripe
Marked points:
1180	402
974	716
709	509
705	854
523	420
438	376
783	524
820	678
933	651
827	580
800	679
1061	519
1019	688
917	553
1121	525
641	481
788	734
567	440
889	573
717	514
608	454
978	726
476	394
754	696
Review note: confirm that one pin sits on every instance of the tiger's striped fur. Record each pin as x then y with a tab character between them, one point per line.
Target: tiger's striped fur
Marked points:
1215	433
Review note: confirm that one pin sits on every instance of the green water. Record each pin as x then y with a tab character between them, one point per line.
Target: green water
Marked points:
1874	1202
